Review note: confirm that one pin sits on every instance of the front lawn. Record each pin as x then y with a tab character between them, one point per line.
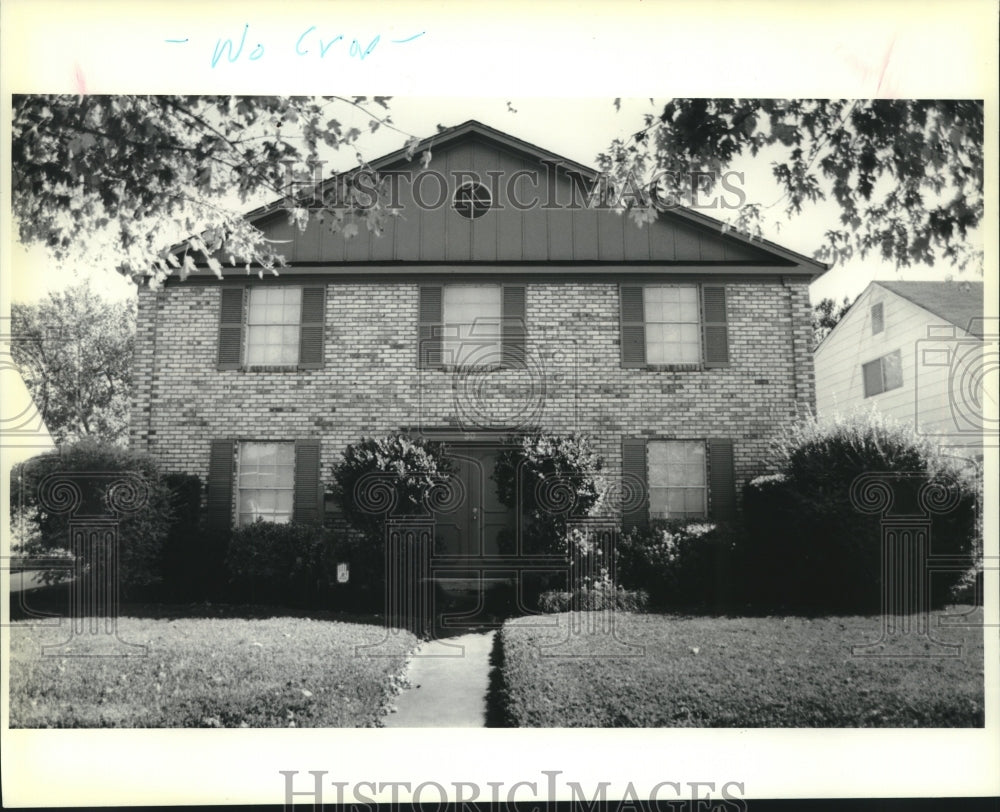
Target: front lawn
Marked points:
208	672
734	672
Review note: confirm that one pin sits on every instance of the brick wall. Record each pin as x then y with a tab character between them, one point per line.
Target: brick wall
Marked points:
370	383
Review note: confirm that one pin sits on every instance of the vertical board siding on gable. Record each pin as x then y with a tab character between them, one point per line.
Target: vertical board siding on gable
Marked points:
434	219
407	233
510	222
458	229
536	233
485	229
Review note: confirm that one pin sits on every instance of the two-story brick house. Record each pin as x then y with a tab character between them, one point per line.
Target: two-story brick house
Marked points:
497	302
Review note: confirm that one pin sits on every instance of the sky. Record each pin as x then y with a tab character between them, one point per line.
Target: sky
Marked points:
576	128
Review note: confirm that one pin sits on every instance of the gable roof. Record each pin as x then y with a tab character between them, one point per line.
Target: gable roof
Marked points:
569	236
958	302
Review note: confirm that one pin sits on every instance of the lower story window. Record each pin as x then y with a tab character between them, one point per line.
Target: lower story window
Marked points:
266	477
678	486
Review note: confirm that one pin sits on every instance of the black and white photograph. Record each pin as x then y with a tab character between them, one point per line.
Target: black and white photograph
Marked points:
338	424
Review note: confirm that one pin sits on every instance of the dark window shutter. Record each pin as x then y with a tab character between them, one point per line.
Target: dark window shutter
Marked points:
311	328
635	487
715	328
430	317
306	501
220	485
514	328
721	480
231	328
633	319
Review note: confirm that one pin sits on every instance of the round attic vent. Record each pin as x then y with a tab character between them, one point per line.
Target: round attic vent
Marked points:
472	200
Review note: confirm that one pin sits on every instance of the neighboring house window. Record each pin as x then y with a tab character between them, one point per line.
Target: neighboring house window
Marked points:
878	319
883	374
674	325
472	325
271	326
677	479
678	488
266	482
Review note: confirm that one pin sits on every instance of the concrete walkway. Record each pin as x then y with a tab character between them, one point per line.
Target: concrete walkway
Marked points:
449	680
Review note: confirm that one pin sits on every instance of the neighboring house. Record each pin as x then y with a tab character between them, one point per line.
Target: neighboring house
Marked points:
24	434
495	308
913	350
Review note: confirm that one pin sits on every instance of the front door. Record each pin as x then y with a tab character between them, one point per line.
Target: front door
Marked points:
481	525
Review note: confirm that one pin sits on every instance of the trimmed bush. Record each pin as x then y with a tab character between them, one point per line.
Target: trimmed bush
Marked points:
552	479
595	597
285	564
809	544
680	564
377	479
87	465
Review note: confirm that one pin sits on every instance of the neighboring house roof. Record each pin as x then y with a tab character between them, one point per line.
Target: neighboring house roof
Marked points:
958	302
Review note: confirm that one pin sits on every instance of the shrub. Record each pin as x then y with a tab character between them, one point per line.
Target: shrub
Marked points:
405	471
286	564
680	564
141	533
809	545
185	562
551	479
595	597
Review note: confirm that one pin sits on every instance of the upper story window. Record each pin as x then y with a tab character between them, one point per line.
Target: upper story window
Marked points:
671	314
878	318
265	482
472	325
273	319
280	326
883	374
674	325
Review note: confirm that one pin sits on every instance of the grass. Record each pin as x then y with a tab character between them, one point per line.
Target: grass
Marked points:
207	672
736	672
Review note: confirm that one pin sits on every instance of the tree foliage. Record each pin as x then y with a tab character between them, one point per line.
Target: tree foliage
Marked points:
146	172
906	174
74	351
825	316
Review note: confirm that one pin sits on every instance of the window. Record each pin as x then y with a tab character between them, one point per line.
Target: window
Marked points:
878	318
674	325
677	479
266	482
677	483
472	200
671	316
883	374
472	320
273	326
472	325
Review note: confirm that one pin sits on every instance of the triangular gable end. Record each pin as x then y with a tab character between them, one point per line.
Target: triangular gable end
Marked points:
538	215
